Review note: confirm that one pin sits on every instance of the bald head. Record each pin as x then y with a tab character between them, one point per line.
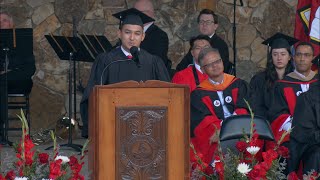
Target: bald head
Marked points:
6	21
145	6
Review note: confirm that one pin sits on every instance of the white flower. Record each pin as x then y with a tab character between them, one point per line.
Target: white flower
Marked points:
20	178
243	168
253	149
64	159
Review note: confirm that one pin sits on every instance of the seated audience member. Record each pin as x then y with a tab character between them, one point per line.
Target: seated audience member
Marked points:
105	71
279	64
288	89
305	135
220	96
19	70
156	41
193	75
208	24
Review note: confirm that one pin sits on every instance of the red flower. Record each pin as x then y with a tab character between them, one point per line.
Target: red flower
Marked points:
55	169
270	155
10	175
261	170
219	168
77	177
1	177
29	158
241	146
293	176
28	144
266	166
283	151
209	170
254	174
73	161
43	158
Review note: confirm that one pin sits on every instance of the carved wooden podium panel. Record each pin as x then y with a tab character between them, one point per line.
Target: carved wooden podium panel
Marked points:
139	131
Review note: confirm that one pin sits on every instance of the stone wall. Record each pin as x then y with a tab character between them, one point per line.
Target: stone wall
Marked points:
256	20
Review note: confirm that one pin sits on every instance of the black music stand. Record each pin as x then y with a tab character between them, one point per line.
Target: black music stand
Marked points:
95	44
72	49
17	43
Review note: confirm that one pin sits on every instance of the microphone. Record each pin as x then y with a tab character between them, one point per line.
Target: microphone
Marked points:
108	65
135	54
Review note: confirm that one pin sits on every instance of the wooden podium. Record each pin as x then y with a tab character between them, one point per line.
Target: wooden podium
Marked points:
139	131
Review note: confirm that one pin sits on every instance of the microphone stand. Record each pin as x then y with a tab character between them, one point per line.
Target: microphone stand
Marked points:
234	32
5	126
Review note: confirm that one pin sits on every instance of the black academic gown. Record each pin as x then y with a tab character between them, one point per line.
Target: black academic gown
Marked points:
305	136
150	68
286	92
261	95
156	42
216	42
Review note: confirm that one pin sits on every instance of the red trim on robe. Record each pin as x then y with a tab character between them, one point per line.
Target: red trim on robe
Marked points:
238	111
291	98
203	133
298	82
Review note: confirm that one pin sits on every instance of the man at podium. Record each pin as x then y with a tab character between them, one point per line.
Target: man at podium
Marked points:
20	66
126	62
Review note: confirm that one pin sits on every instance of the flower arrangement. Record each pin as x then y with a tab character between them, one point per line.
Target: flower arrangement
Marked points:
249	162
32	165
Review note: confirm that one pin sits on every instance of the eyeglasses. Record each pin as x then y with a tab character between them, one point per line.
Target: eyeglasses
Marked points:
210	65
206	22
300	55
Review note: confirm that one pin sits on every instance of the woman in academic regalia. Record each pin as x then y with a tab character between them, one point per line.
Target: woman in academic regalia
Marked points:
278	65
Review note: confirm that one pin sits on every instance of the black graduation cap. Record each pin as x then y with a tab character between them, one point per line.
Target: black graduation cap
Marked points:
280	40
234	127
133	16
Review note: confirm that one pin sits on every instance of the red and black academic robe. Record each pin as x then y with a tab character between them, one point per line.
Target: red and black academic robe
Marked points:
207	112
284	102
305	136
189	76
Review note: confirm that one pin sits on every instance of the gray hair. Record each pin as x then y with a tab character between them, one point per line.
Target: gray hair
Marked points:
206	51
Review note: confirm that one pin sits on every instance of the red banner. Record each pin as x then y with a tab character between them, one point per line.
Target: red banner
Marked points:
307	26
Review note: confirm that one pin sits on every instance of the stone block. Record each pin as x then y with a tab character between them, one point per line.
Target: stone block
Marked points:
42	12
268	18
67	10
49	25
245	35
259	51
36	3
46	107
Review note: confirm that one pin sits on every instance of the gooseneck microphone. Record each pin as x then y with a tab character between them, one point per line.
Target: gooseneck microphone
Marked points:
108	65
134	52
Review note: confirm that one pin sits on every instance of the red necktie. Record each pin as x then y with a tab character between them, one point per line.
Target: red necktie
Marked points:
129	57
